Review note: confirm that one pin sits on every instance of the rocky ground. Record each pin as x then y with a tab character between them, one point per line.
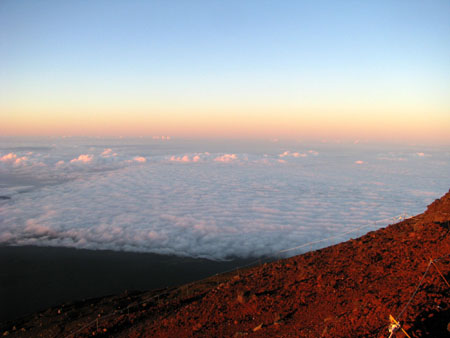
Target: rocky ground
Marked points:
346	290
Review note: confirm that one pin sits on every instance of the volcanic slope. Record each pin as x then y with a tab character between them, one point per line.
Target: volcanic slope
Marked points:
345	290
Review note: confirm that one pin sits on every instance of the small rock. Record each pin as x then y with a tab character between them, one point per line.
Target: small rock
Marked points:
328	319
259	327
242	296
197	327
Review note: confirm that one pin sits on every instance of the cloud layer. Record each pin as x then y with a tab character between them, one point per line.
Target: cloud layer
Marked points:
206	204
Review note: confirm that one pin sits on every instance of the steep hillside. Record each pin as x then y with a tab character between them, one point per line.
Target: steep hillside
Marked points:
346	290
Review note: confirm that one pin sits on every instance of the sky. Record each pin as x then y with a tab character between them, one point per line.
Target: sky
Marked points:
375	70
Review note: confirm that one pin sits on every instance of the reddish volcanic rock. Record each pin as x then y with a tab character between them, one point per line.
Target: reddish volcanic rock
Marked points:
438	211
346	290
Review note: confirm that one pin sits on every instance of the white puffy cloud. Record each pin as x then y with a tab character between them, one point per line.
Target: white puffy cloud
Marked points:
83	158
8	157
12	158
226	158
108	153
295	154
184	158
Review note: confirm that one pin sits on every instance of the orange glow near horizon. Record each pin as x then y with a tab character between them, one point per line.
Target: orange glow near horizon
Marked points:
260	123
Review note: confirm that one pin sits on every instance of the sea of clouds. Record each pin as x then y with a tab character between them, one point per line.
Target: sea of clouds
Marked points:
207	199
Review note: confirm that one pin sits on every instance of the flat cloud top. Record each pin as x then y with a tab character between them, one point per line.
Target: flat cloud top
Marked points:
206	204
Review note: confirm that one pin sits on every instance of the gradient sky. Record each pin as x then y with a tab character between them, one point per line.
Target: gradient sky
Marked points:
259	69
